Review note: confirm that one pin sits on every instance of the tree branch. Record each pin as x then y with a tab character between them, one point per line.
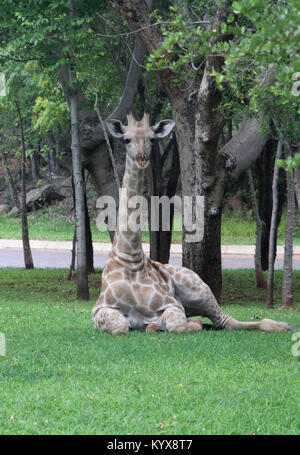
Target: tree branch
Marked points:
136	14
244	148
131	83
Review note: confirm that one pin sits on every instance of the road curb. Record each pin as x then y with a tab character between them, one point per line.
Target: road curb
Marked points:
176	249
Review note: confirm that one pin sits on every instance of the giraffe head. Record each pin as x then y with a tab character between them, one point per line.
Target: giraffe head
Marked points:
139	135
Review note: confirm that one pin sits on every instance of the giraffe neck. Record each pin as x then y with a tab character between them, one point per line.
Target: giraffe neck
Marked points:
127	242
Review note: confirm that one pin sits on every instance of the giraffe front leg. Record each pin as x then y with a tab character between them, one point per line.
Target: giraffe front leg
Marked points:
174	320
110	320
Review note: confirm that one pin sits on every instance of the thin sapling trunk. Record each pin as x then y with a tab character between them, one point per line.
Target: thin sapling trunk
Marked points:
273	230
23	209
287	284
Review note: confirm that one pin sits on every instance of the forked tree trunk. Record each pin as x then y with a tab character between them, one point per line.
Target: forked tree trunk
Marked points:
23	209
287	284
82	275
264	170
273	231
260	282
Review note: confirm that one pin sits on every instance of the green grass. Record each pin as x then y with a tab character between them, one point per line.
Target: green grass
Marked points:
236	230
61	376
54	224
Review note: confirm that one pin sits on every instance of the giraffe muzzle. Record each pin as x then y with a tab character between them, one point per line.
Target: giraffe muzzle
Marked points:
142	160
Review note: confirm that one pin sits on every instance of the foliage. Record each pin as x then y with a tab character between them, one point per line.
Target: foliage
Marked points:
290	163
262	60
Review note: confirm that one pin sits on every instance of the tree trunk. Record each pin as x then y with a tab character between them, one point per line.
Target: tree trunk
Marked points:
273	230
25	233
73	257
297	184
287	284
264	170
166	236
260	282
82	275
198	127
88	232
160	240
34	166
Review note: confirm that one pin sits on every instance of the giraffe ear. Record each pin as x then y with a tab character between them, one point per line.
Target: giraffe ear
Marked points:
116	128
163	128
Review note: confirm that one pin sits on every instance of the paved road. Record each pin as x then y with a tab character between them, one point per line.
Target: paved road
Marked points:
62	259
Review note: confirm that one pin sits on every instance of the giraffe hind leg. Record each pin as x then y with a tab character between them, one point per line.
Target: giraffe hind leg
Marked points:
197	299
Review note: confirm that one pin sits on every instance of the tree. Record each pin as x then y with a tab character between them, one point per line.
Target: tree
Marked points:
23	209
287	285
82	276
11	109
273	230
260	282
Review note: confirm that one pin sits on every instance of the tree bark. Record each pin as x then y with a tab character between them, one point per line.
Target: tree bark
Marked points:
264	170
287	284
25	232
297	184
241	152
204	257
82	275
160	241
260	282
273	231
88	234
34	166
73	257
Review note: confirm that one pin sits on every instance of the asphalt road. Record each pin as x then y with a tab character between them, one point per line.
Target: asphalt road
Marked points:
62	259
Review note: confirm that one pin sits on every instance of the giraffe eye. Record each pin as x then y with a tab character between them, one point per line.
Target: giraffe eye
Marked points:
126	141
152	140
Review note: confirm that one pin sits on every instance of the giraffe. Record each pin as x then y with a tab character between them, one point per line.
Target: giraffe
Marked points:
137	292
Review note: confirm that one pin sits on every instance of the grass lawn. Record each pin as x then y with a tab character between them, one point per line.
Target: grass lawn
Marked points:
53	224
61	376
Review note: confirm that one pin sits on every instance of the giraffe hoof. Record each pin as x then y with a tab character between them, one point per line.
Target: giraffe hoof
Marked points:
291	327
197	321
119	331
150	328
194	326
